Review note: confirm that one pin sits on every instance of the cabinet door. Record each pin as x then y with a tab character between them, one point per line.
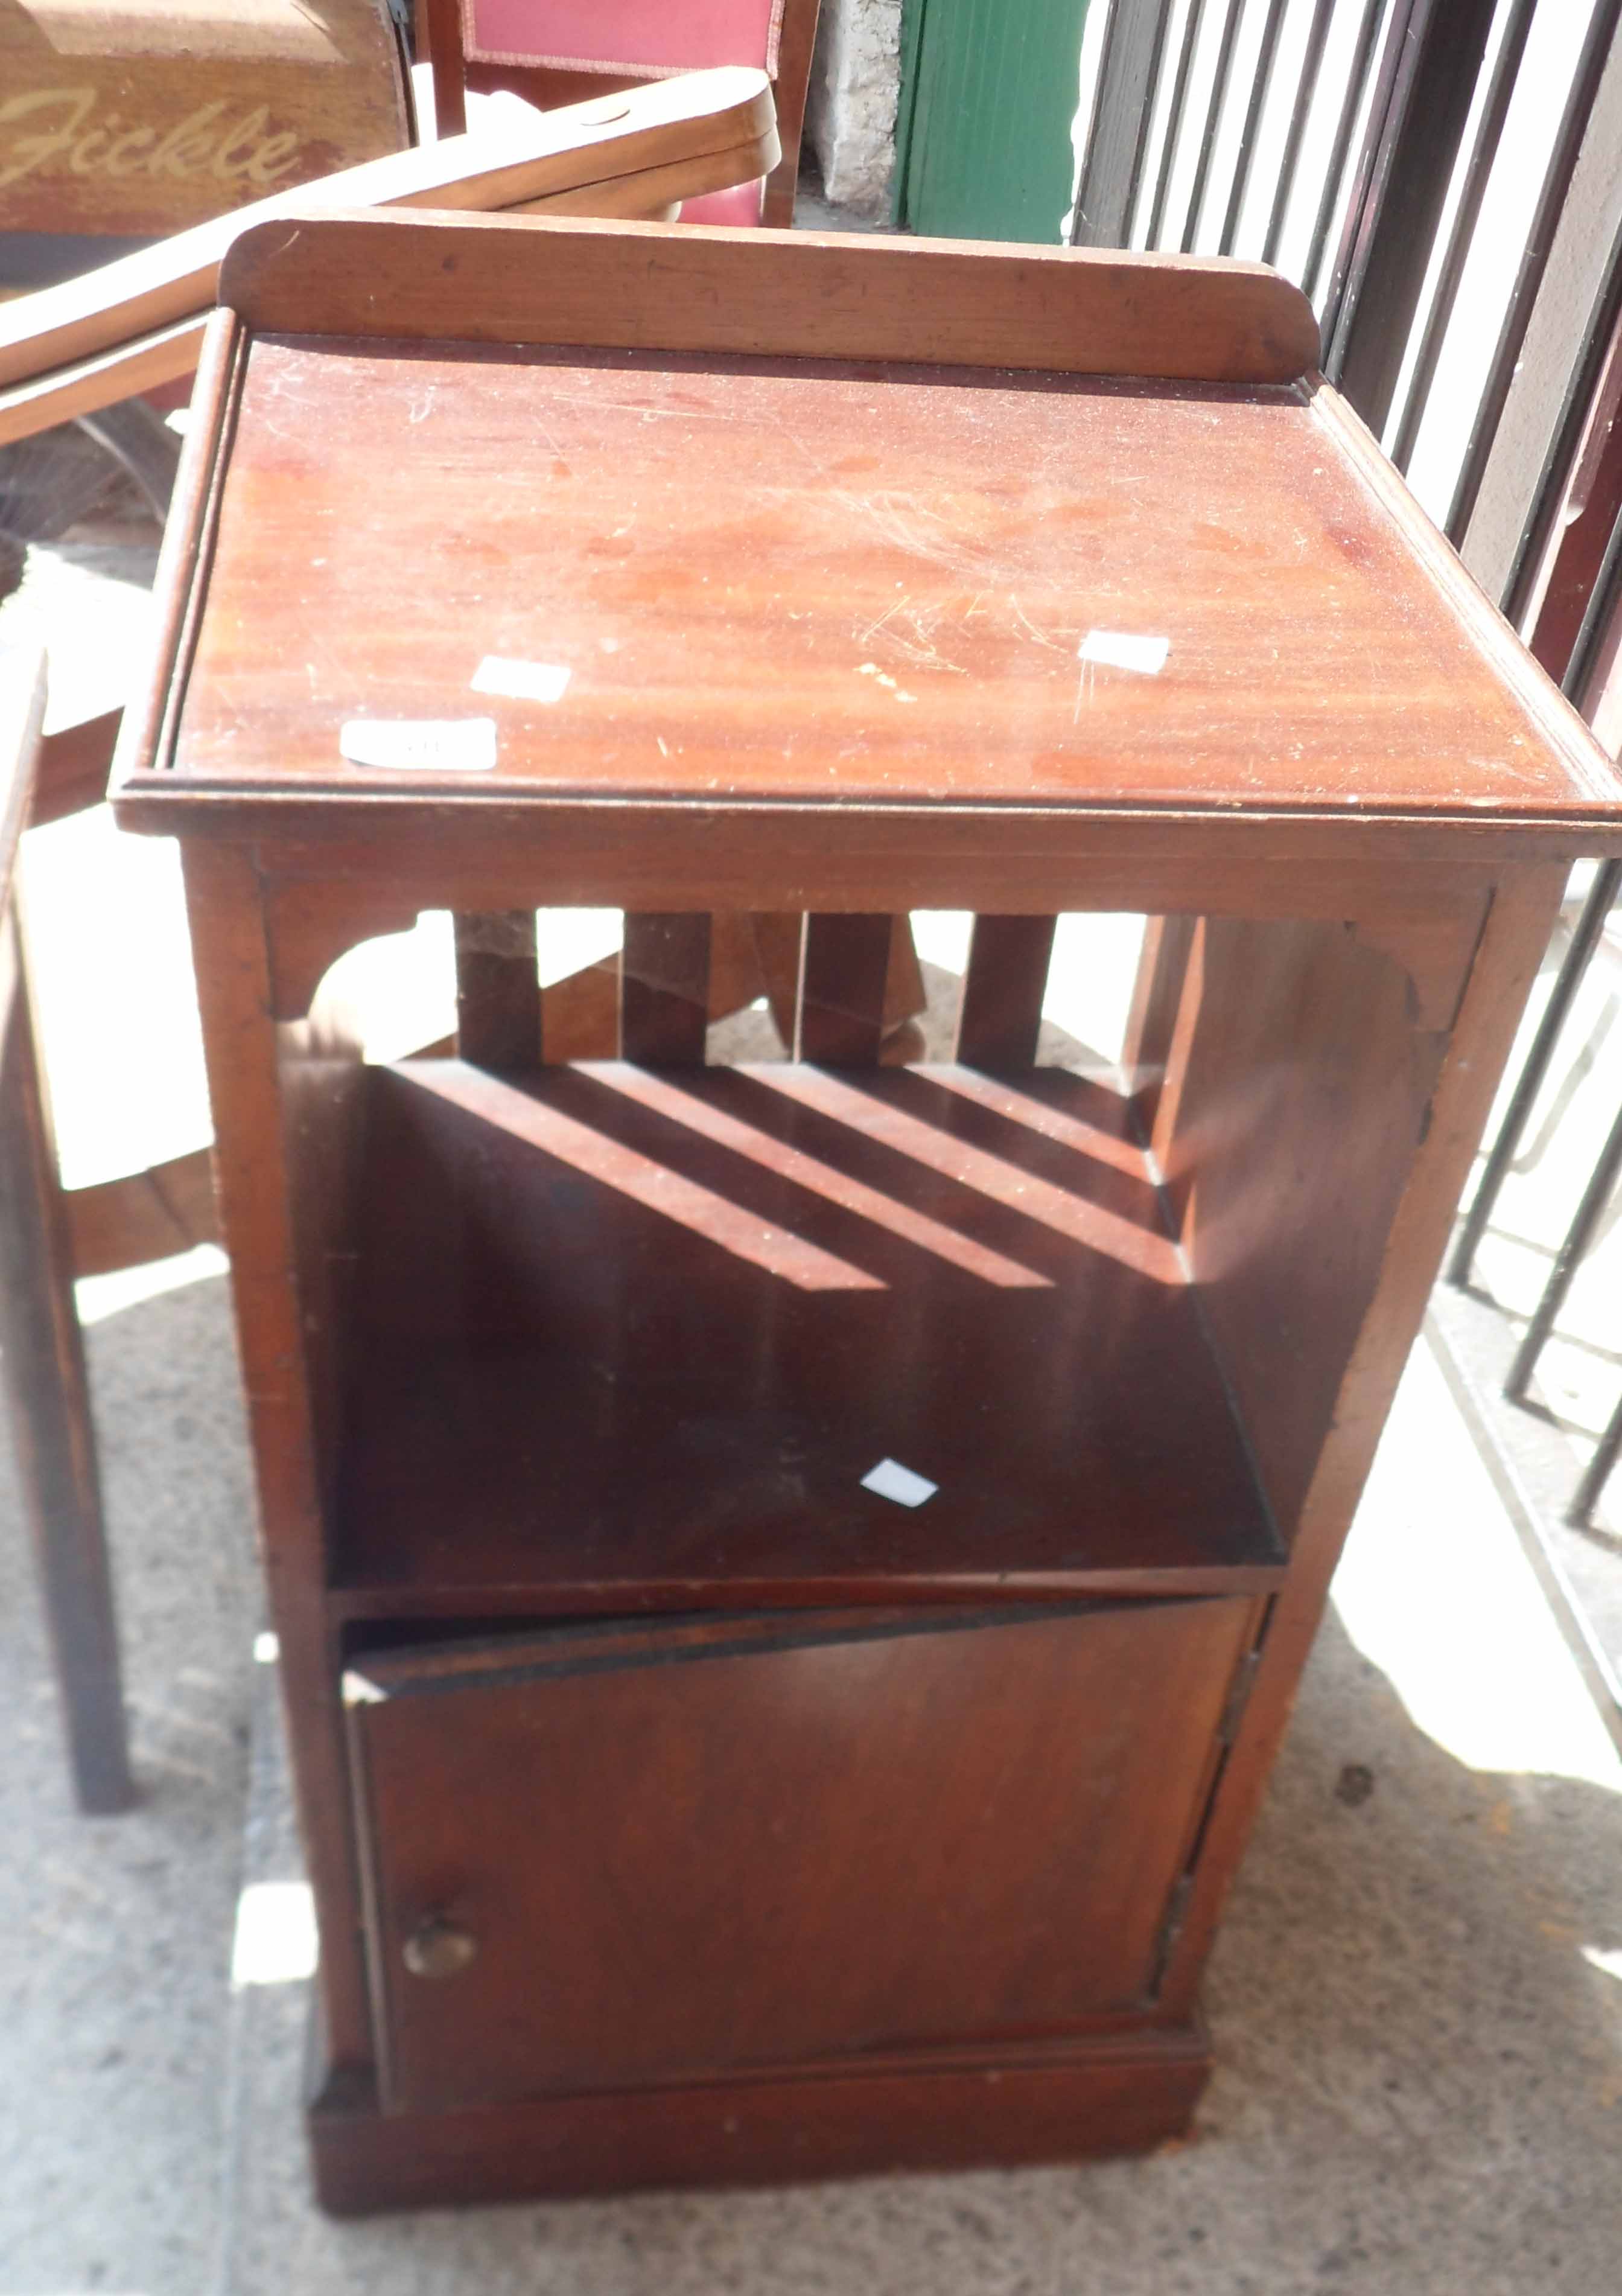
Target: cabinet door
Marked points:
599	1857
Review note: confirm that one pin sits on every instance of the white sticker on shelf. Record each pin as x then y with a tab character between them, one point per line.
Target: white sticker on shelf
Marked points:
891	1480
421	745
1126	650
521	681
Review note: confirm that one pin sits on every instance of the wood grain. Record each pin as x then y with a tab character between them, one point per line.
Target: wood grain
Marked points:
85	385
844	962
1511	948
712	1807
1022	2106
498	993
144	121
148	1215
1157	991
825	1272
664	996
606	1351
518	159
932	657
1004	987
795	292
1284	1207
254	1169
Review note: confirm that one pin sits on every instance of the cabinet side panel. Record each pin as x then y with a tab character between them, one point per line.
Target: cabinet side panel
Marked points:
1512	944
1297	1098
323	1083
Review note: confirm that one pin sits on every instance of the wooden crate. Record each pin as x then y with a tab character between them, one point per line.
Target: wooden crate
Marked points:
141	116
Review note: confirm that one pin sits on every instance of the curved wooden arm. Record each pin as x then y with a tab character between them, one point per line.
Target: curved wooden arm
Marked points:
135	322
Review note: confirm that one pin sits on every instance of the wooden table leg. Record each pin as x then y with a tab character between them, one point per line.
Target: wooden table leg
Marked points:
43	1359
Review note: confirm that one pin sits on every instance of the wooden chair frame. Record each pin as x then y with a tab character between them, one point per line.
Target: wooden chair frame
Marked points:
43	1348
459	67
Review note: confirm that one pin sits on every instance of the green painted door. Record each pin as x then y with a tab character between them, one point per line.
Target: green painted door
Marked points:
989	90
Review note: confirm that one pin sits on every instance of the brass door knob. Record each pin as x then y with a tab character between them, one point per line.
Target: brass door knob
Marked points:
437	1947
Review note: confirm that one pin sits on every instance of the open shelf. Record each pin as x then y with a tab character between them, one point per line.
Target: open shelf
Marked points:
633	1336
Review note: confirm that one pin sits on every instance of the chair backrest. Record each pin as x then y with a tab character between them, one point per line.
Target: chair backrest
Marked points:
559	52
637	36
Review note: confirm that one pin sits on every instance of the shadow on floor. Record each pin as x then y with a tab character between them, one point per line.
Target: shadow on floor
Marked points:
1420	2074
1419	2086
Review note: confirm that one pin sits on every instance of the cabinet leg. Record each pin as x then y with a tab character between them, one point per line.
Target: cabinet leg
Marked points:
43	1359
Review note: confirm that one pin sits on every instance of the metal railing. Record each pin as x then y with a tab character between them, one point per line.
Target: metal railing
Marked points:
1373	149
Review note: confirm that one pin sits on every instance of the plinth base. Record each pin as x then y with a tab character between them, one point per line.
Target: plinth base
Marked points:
1123	2095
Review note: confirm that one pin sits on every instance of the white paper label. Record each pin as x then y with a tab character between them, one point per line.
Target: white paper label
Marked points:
421	745
1125	650
522	681
891	1480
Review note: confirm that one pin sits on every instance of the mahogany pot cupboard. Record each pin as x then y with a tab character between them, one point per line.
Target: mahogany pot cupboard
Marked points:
685	1800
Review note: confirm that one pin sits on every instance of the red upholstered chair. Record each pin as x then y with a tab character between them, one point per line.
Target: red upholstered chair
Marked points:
564	51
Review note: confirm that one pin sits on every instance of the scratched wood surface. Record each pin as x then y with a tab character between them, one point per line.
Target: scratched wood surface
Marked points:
771	581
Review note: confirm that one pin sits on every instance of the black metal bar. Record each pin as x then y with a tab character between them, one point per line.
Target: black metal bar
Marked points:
1432	96
1362	63
1533	263
1307	89
1151	82
1549	497
1368	180
1579	1235
1261	88
1174	117
1373	156
1095	114
1597	1472
1500	87
1585	940
1213	124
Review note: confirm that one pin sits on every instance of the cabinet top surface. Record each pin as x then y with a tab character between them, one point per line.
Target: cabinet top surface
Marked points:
458	569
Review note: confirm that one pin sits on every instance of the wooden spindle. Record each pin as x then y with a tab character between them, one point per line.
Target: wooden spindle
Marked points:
843	965
664	987
498	991
1003	991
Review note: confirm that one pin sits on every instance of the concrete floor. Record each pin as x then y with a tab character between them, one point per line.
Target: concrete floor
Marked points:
1417	2000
